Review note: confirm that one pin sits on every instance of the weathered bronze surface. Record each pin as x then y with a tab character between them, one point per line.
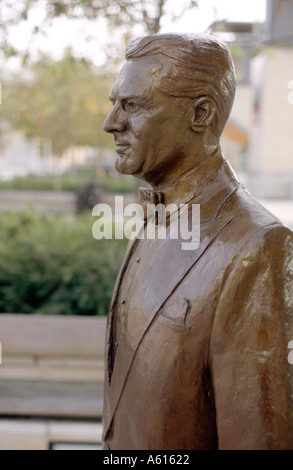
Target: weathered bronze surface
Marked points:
197	341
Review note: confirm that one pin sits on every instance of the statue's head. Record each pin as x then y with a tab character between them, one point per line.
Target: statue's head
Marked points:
174	92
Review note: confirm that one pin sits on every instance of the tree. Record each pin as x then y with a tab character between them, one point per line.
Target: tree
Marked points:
148	13
120	14
64	101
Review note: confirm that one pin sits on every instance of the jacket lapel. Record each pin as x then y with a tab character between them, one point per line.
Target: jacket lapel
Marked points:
158	288
131	248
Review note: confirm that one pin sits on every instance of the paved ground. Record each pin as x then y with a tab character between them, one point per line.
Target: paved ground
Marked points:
45	201
49	201
59	202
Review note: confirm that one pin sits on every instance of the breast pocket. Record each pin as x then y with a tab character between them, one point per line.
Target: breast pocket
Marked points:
175	315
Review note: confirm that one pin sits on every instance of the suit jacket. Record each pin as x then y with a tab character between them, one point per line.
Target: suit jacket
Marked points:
202	362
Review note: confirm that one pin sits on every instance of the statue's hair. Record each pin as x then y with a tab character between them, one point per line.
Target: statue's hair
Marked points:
200	65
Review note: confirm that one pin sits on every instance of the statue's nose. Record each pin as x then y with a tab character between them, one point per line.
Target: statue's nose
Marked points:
116	120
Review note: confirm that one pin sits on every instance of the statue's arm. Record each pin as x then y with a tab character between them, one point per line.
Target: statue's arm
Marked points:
251	374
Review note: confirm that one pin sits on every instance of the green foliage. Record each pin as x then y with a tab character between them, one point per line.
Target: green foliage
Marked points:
123	15
64	101
53	265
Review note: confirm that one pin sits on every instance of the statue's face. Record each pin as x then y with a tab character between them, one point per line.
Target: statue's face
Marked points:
150	129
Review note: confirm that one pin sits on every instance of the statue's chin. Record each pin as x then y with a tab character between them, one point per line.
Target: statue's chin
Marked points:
126	166
122	165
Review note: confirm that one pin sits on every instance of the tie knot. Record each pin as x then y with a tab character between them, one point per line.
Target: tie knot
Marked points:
156	198
149	196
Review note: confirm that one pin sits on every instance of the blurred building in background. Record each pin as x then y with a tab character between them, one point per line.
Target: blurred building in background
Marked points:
270	162
258	138
21	156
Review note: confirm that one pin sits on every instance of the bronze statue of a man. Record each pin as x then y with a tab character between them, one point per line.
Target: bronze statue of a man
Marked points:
197	340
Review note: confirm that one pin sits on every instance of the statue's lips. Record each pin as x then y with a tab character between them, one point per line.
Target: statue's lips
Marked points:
120	148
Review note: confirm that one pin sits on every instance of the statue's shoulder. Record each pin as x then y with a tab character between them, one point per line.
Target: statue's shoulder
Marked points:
254	228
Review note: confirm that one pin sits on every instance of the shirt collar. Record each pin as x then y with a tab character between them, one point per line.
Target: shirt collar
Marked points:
209	184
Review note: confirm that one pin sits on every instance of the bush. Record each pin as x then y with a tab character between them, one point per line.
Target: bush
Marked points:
52	265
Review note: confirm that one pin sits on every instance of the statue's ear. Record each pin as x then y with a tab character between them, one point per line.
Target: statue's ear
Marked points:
204	111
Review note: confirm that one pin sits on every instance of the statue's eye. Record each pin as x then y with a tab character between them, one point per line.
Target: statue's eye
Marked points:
131	106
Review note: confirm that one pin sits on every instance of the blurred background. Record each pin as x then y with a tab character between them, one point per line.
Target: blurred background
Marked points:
58	62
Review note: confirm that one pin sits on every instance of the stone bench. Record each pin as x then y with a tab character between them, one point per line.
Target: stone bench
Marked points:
52	366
